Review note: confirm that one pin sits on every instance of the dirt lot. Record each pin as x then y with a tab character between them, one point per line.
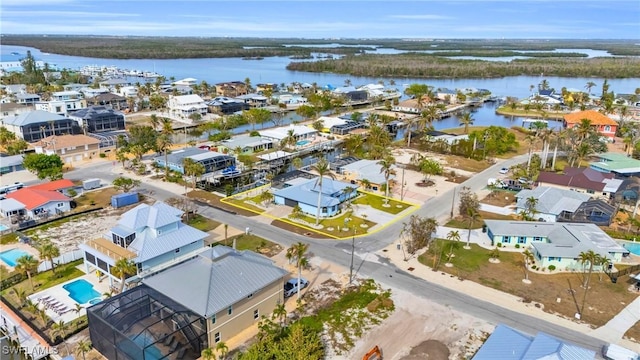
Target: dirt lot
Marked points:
500	198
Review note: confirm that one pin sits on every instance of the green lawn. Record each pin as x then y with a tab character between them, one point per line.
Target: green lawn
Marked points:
377	203
47	279
465	260
253	243
243	204
337	224
203	223
461	223
9	238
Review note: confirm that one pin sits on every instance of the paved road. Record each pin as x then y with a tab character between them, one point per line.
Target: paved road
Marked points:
368	264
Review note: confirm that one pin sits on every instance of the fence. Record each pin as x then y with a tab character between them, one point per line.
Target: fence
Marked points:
615	275
62	259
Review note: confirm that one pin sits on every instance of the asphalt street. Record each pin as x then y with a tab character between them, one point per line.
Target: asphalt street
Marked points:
369	265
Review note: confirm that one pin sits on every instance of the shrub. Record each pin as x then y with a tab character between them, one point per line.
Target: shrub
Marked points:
499	245
533	267
517	246
103	155
544	269
254	133
72	192
552	267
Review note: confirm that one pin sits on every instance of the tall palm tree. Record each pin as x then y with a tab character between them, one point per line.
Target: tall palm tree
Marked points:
530	208
465	120
589	86
48	251
163	144
193	169
322	168
531	139
528	258
584	129
122	269
298	253
592	259
559	139
472	216
454	237
60	329
27	264
21	294
223	349
386	168
289	141
82	348
154	121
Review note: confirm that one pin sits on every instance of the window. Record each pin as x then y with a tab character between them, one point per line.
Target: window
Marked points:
60	204
216	337
177	250
590	191
213	319
522	239
537	238
256	314
506	239
230	310
607	128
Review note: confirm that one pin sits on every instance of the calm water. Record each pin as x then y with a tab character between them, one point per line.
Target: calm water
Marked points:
273	69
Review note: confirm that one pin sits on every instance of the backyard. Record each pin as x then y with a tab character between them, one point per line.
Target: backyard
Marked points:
460	222
207	198
604	298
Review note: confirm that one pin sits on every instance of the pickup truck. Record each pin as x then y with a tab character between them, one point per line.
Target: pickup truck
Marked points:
616	352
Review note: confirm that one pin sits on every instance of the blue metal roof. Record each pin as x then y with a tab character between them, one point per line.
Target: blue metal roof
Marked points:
306	192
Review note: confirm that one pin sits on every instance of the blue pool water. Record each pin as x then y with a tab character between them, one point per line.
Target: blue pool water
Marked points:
9	257
142	340
3	227
633	247
303	142
81	291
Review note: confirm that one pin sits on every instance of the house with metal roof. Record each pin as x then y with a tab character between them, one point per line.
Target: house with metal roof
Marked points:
558	244
186	105
211	160
210	297
364	170
36	125
299	133
551	202
26	98
616	163
149	235
110	100
247	144
506	343
597	184
305	192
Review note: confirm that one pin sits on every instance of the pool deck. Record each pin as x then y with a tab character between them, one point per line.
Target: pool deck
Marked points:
24	247
61	296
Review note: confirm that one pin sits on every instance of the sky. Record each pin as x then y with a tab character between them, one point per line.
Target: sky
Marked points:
528	19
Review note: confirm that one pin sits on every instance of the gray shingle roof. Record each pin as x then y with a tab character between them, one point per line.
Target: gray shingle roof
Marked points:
552	200
32	117
216	279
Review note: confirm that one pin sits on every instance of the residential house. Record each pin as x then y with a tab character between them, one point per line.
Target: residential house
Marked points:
151	236
263	87
15	88
70	148
226	106
185	82
211	160
508	344
225	292
411	106
550	202
558	244
351	94
27	99
177	90
304	193
585	180
447	95
91	92
11	163
616	163
365	170
115	83
110	100
186	105
41	203
127	91
12	208
254	100
601	123
231	88
13	109
66	95
61	107
290	101
246	144
38	124
449	139
299	133
594	211
99	119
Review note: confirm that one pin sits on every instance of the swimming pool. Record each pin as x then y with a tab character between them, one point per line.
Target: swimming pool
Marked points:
303	142
3	227
633	247
10	257
151	352
81	291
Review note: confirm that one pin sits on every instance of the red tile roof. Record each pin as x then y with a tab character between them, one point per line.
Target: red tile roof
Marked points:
595	117
32	198
54	185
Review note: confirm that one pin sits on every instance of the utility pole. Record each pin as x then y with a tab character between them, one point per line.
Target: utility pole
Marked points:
453	201
402	189
353	249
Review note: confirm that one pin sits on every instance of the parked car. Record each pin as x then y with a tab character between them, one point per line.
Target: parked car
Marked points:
504	170
291	286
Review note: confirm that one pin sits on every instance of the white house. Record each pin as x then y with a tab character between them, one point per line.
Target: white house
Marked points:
551	202
66	95
40	203
299	133
128	91
186	105
61	107
185	82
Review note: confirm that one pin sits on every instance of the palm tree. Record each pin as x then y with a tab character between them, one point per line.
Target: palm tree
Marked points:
454	237
532	141
366	184
21	294
60	329
589	86
122	269
386	168
593	259
298	253
207	354
27	264
154	121
559	138
465	120
472	216
322	168
48	251
280	312
226	237
193	169
223	349
530	208
297	163
163	144
83	347
528	258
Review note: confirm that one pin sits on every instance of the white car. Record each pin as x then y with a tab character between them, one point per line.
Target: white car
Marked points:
291	286
504	170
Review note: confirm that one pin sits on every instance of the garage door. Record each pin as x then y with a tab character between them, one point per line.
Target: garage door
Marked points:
78	158
68	159
290	202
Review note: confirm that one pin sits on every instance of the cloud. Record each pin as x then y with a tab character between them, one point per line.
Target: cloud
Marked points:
421	17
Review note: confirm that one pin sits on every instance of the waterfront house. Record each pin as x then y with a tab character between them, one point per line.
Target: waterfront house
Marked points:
361	170
447	95
231	88
186	105
246	144
70	148
176	313
449	139
411	105
40	203
99	119
616	163
61	107
13	89
36	125
304	192
127	91
551	202
507	343
211	160
115	83
66	95
109	100
300	133
263	87
558	244
226	106
151	236
91	92
290	101
254	100
585	180
185	82
27	99
601	123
